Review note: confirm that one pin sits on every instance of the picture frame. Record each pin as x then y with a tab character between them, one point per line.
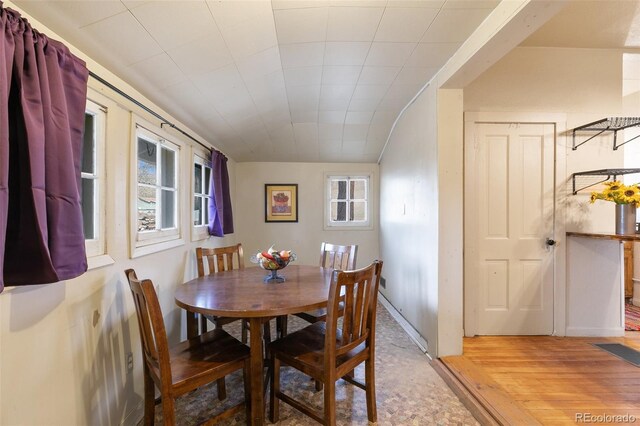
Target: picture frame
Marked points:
281	202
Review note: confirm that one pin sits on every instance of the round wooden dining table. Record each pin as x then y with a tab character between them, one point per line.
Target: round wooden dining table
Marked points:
242	293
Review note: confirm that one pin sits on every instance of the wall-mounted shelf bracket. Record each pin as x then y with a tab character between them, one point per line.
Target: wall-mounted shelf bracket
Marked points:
612	124
604	174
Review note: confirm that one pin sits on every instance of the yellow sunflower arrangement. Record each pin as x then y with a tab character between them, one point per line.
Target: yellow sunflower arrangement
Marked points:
618	193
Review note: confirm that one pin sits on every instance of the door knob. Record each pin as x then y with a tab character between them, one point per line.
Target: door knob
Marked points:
550	242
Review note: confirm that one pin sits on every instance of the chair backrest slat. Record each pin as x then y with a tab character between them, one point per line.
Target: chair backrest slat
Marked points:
338	256
219	259
357	290
155	346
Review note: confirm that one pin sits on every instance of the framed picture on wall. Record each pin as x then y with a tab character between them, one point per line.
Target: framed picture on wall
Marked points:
281	202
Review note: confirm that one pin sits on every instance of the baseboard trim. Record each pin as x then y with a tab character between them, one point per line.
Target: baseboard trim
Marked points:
595	332
406	326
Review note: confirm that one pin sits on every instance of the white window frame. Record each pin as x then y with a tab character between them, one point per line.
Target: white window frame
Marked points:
200	232
147	242
96	247
355	225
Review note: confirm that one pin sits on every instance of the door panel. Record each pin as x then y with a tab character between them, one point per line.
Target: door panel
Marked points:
514	189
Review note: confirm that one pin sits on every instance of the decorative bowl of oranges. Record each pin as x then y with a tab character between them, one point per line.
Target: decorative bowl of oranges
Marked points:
273	260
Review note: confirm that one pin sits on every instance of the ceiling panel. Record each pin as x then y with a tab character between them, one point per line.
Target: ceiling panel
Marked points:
346	52
363	104
389	54
302	55
355	132
160	71
205	54
268	80
85	13
353	23
358	117
121	39
262	63
330	131
370	91
301	25
405	24
415	75
250	37
331	117
303	76
188	21
337	74
431	55
378	75
337	91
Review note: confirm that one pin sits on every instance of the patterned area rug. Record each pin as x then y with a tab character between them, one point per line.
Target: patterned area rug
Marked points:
631	317
408	390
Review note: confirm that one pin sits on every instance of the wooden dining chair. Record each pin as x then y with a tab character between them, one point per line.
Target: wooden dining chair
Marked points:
218	260
211	261
335	257
327	352
187	366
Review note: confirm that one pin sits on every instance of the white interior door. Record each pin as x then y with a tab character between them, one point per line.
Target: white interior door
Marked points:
509	215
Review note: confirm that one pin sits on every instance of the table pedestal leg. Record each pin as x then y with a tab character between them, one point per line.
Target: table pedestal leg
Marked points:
257	371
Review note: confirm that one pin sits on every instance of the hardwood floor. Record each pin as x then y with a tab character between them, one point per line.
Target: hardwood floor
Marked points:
547	380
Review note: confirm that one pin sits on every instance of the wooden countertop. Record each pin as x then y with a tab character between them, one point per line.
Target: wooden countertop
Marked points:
599	236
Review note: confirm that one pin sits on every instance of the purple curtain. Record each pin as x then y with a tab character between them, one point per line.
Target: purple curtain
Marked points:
43	89
220	213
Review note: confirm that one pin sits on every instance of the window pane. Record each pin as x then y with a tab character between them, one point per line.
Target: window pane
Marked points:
88	146
358	189
146	208
358	211
197	211
88	208
338	211
146	162
197	178
168	167
339	189
167	204
205	207
207	180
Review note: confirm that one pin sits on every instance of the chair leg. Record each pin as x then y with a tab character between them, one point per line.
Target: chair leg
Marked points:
246	377
245	328
149	399
168	411
281	326
203	324
330	403
274	402
266	337
192	325
222	389
370	385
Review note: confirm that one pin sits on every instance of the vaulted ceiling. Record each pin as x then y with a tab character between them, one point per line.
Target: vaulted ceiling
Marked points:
289	80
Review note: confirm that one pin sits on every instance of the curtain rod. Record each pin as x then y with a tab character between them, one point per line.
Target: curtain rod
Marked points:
163	120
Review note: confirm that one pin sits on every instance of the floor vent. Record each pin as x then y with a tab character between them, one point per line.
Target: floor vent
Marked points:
621	351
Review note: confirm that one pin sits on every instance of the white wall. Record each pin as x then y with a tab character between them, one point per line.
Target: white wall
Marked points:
64	344
409	217
305	236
